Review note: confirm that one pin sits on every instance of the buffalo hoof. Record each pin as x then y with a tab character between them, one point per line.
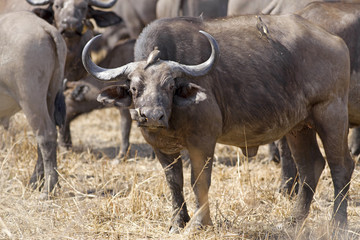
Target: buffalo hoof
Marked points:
65	145
195	227
289	188
36	181
175	230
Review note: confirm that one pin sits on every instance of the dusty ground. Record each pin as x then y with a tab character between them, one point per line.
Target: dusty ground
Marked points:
101	198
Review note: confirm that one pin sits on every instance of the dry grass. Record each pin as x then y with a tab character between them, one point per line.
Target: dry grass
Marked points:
130	200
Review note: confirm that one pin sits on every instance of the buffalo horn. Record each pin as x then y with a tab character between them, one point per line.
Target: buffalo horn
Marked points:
101	4
100	73
39	2
202	68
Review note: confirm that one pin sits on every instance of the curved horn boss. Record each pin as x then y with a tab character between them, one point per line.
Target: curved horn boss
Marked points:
39	2
114	74
101	4
100	73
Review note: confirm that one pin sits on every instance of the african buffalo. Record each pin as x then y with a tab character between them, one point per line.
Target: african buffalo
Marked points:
32	64
136	14
80	96
72	19
223	98
342	19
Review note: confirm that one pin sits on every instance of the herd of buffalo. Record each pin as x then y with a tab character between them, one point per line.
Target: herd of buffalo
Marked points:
192	73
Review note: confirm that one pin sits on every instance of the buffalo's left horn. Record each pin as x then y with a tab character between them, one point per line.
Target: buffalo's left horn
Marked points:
202	68
39	2
104	74
101	4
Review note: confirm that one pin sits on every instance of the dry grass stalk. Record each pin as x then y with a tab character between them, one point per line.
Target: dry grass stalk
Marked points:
130	200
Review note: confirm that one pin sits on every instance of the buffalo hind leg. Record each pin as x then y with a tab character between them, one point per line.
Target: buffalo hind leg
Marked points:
44	128
310	164
38	174
172	165
331	123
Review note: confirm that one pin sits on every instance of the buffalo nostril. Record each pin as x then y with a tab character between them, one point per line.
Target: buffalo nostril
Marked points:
142	117
161	117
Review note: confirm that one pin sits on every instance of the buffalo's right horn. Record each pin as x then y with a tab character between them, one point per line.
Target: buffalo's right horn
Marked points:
202	68
39	2
101	4
104	74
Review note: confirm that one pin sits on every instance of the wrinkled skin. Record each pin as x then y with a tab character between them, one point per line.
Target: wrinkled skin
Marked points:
225	98
31	73
343	20
81	96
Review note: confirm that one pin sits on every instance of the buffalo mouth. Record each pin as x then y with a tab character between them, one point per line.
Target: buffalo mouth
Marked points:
151	126
70	33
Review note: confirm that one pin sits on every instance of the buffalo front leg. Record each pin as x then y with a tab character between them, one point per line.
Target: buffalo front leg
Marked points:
48	152
310	164
125	127
38	173
172	165
288	168
65	134
201	159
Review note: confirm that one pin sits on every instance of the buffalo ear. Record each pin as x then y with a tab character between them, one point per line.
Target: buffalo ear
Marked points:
45	13
189	93
78	94
118	95
104	19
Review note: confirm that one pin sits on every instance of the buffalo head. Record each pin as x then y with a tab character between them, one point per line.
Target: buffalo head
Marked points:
152	86
71	16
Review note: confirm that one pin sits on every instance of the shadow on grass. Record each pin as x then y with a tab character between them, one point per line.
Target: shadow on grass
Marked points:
141	150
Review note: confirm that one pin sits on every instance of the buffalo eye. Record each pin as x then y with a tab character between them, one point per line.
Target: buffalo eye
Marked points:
133	91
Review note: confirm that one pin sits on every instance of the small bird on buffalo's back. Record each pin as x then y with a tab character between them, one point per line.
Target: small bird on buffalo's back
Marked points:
262	28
